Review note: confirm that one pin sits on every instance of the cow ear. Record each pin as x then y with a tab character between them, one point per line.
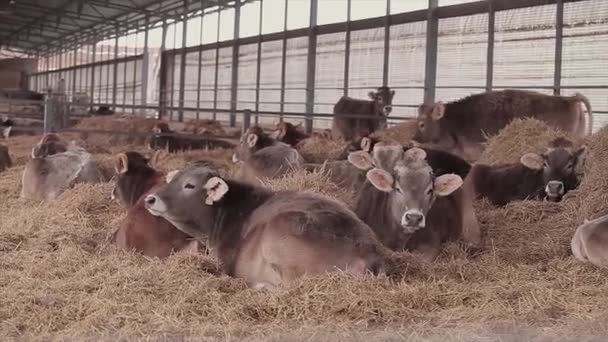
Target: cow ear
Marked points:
438	111
372	95
36	153
155	159
361	160
252	139
532	161
380	179
281	133
216	189
366	144
121	164
446	184
170	175
7	132
415	153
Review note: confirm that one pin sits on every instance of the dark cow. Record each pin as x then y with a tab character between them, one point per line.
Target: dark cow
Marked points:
262	157
164	138
5	158
289	133
378	108
140	231
103	110
408	206
546	176
463	126
590	242
48	145
268	239
6	126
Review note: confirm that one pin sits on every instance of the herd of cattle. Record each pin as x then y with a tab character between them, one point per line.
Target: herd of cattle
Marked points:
410	197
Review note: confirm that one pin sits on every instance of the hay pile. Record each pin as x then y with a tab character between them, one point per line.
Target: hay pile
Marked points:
518	138
402	133
61	280
135	126
319	149
317	182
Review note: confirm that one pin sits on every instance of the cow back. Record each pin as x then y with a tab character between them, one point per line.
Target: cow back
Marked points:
502	184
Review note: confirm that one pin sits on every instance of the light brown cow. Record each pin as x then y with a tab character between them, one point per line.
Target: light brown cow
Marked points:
47	177
590	242
267	238
407	206
377	108
462	126
261	157
5	158
140	231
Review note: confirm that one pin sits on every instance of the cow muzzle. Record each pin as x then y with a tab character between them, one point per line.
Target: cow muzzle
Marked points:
386	110
554	190
155	205
413	220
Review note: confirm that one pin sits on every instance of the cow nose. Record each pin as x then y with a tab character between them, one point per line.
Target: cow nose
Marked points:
555	188
150	200
387	110
413	220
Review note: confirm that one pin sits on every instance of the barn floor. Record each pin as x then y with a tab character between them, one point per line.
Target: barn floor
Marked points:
61	280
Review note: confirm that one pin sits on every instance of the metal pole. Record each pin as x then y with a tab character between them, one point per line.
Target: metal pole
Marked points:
200	64
311	66
133	99
217	61
73	74
347	49
93	77
115	71
283	61
559	34
145	68
182	66
163	74
124	85
108	94
387	42
490	55
234	84
432	30
258	64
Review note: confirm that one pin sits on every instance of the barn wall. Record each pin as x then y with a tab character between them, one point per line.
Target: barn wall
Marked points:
13	72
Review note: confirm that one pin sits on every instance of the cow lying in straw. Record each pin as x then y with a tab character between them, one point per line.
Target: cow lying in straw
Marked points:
408	206
268	238
163	138
262	157
48	174
537	176
141	232
590	242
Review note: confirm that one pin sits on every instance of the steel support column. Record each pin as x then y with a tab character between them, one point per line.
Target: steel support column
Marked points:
311	66
490	52
200	65
115	76
283	61
217	61
559	37
182	66
258	64
93	77
234	84
347	49
387	42
430	68
163	74
145	68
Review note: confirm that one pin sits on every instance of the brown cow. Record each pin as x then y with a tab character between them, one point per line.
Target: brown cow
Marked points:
140	231
289	133
463	126
378	108
268	239
47	177
5	158
262	157
590	242
408	207
163	138
549	175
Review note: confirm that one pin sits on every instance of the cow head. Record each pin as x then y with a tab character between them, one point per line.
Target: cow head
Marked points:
188	200
132	174
383	100
49	144
558	165
429	116
253	140
285	129
413	188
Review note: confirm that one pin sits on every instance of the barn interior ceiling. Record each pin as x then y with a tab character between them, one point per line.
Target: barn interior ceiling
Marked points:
43	26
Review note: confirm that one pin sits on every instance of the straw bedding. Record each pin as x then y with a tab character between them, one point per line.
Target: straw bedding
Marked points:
60	279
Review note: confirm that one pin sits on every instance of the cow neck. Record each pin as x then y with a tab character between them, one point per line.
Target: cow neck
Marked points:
374	208
229	218
144	183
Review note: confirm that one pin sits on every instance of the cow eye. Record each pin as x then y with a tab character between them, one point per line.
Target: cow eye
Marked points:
421	125
546	164
398	188
189	186
429	192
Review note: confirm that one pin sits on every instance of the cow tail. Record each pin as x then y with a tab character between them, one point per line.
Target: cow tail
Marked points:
587	104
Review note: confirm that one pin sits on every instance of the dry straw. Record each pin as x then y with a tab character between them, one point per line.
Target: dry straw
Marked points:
60	279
